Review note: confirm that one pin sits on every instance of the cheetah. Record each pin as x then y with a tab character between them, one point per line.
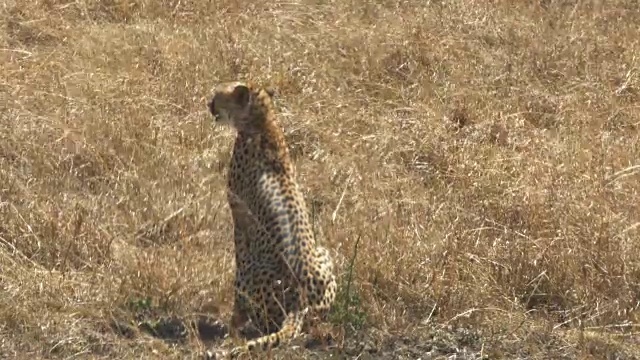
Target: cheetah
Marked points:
281	274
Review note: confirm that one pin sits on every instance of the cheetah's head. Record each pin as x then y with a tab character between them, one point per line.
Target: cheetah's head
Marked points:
234	103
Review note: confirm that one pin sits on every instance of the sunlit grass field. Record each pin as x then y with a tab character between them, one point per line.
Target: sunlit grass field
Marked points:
473	166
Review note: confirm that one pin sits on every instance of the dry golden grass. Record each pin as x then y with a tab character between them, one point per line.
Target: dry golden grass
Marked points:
485	155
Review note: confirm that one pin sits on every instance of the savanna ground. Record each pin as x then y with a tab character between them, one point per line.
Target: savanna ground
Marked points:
479	158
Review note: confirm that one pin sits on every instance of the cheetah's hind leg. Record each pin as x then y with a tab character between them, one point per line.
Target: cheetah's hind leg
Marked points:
291	327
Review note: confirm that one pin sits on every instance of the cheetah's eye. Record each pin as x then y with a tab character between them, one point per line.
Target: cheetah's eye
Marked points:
212	108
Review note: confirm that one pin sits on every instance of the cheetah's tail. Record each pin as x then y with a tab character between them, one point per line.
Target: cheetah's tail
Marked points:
291	327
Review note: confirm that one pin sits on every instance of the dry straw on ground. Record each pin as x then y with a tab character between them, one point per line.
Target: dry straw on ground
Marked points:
484	155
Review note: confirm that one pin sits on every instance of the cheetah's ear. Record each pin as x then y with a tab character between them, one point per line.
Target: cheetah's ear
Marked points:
270	91
242	95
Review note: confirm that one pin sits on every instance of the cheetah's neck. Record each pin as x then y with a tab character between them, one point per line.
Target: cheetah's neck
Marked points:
266	135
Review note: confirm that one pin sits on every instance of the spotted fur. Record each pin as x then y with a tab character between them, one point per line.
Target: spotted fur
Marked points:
281	274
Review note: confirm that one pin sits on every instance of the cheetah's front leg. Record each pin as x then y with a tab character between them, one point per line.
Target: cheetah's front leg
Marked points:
239	316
